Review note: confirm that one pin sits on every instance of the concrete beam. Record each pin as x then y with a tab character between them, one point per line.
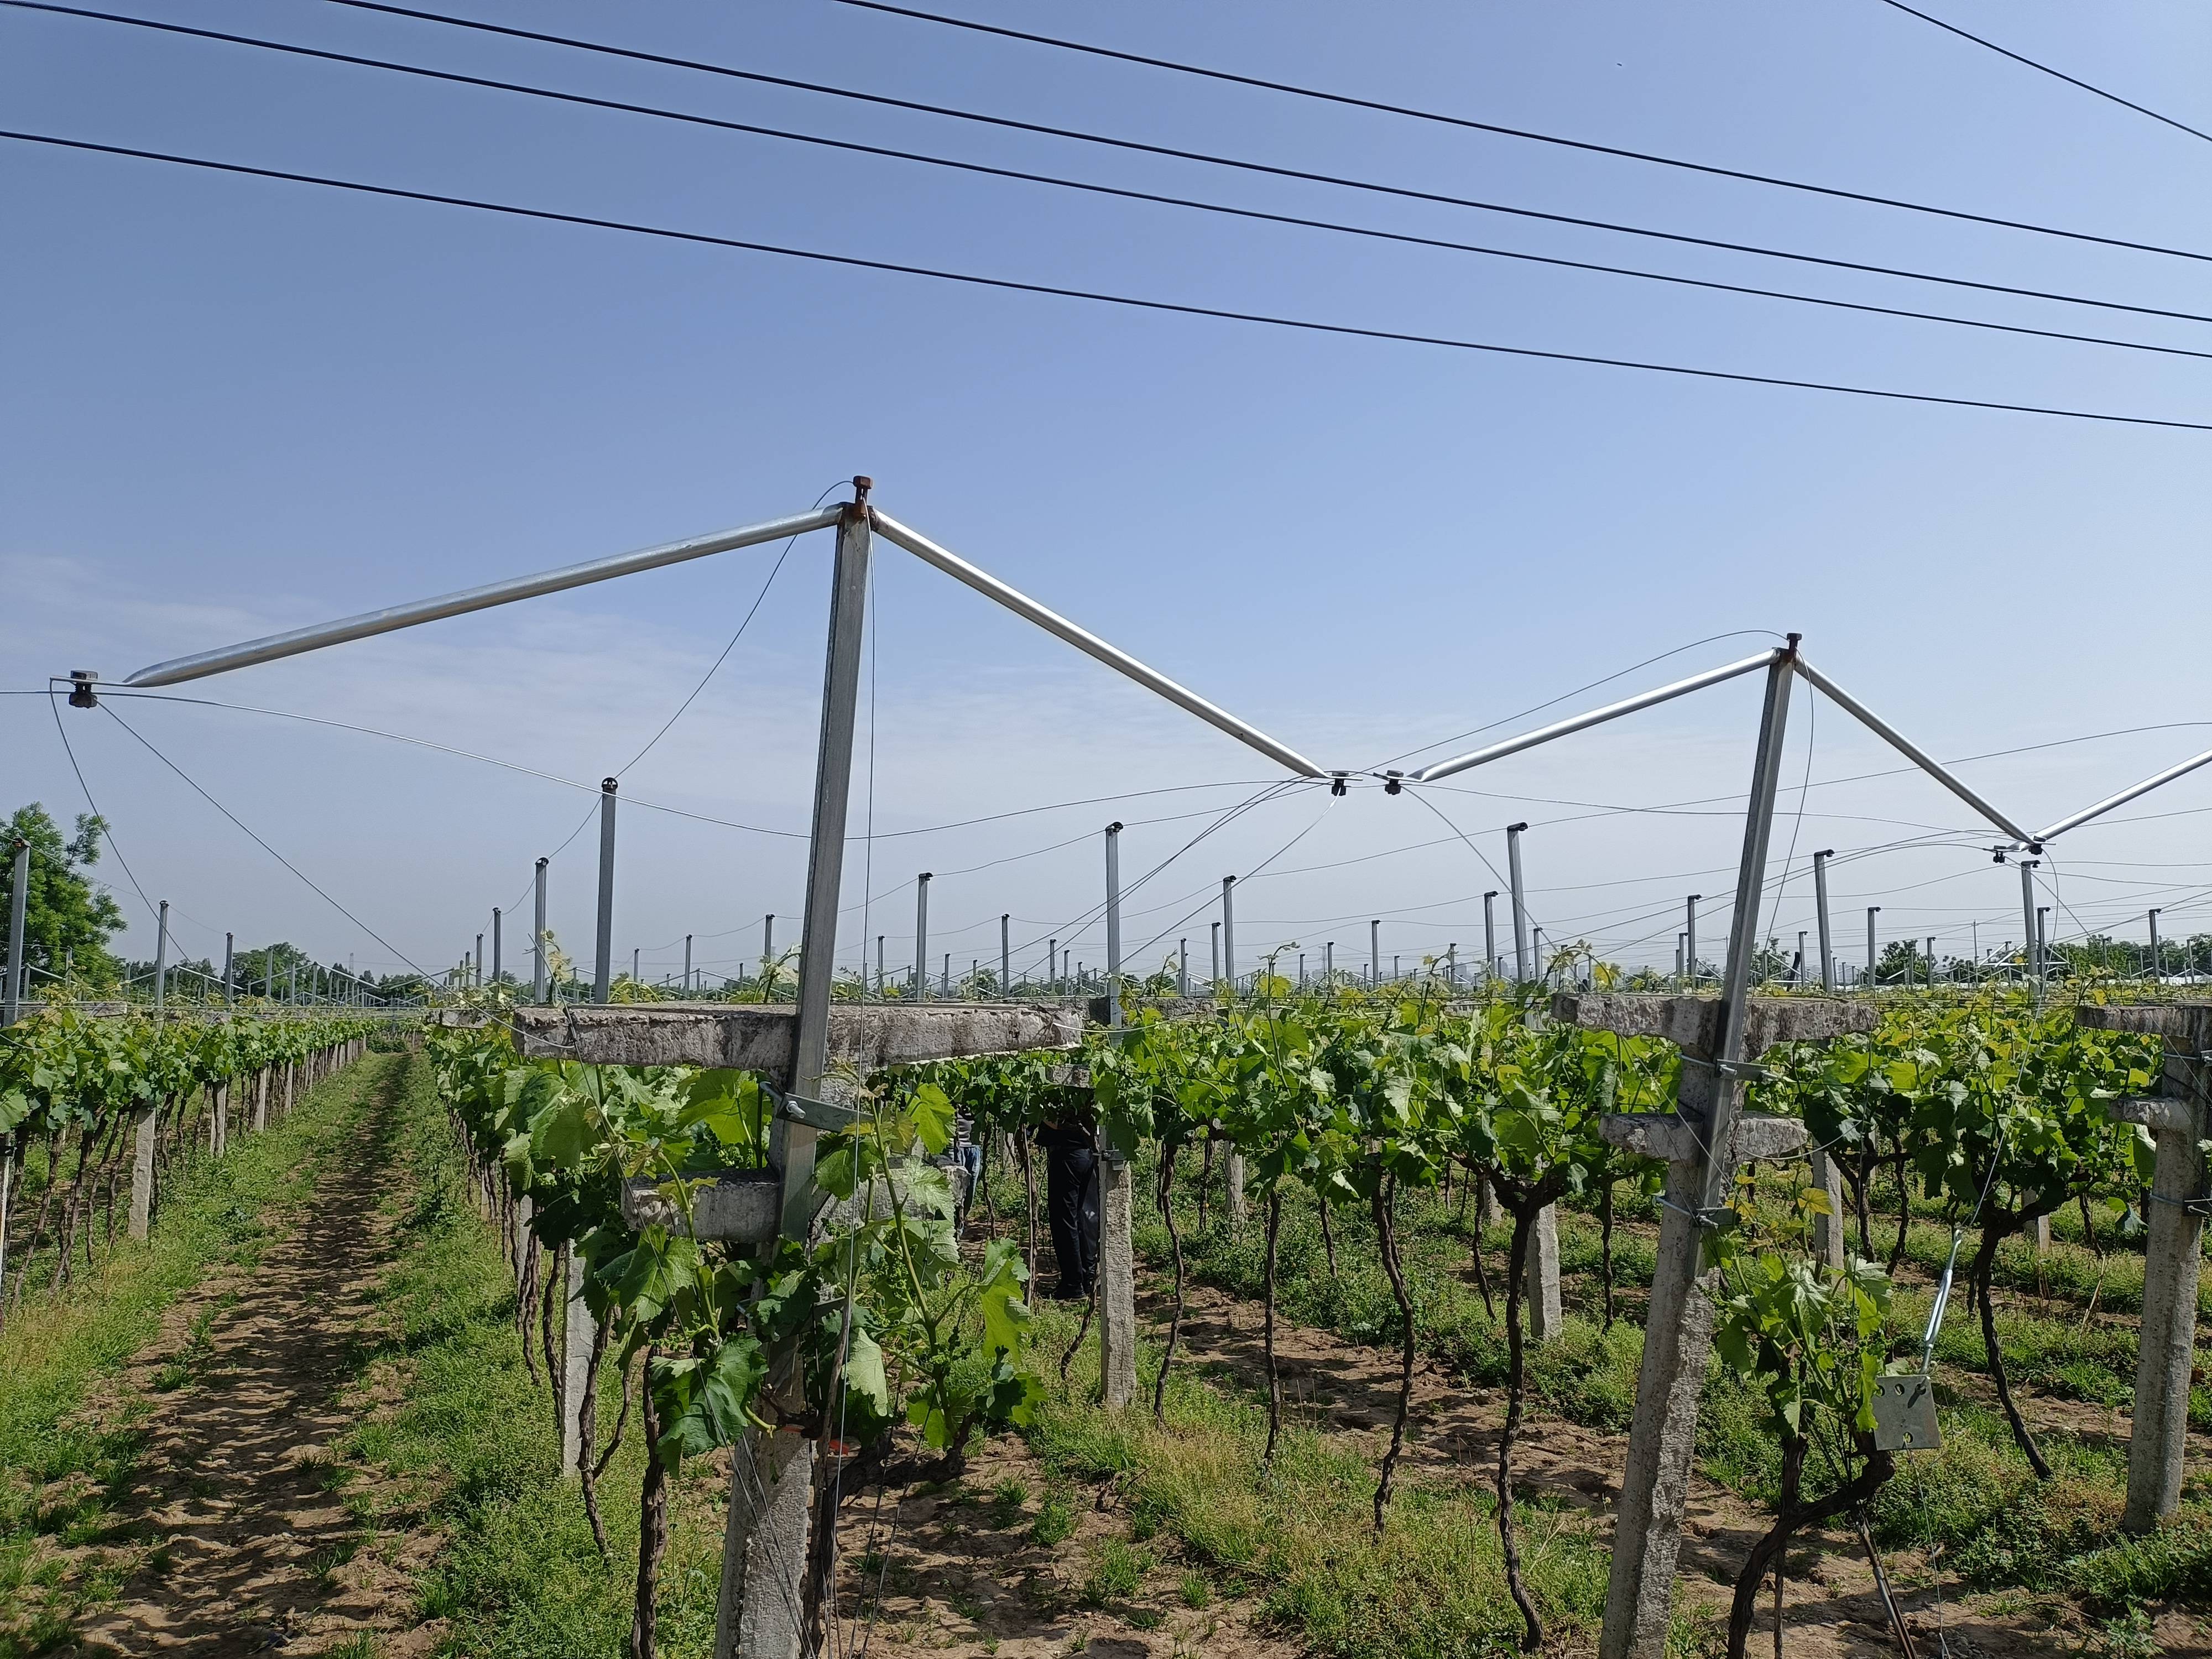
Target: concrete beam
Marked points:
741	1207
1667	1139
1692	1024
761	1036
2186	1026
2157	1112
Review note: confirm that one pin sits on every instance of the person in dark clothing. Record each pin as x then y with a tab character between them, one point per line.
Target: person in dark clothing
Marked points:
1072	1204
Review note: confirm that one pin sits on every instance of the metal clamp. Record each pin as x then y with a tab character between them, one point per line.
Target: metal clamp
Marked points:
1707	1217
819	1115
1740	1071
2196	1207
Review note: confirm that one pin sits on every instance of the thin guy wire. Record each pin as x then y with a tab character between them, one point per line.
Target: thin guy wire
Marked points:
2055	74
715	668
264	846
107	834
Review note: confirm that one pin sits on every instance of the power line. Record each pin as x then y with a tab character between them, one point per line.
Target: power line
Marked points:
2040	69
1121	192
1007	122
1583	144
1007	284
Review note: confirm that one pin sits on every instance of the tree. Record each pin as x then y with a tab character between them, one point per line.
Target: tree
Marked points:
65	915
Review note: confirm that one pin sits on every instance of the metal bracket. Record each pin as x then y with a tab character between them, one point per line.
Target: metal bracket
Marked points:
819	1115
1740	1071
1905	1415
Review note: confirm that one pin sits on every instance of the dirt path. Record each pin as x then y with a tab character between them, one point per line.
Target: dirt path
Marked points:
237	1490
960	1580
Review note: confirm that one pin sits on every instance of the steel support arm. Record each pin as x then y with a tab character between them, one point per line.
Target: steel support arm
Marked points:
269	649
1612	711
2125	796
1089	643
1912	752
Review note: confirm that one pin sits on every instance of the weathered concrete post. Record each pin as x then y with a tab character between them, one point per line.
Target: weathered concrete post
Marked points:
2177	1119
141	1171
1828	1230
261	1100
1117	1258
765	1548
579	1331
1678	1328
1232	1181
1547	1317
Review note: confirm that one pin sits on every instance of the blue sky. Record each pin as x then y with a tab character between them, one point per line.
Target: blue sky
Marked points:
234	405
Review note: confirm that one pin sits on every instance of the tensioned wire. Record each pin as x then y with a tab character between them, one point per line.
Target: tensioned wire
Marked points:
1091	187
852	94
1587	146
981	280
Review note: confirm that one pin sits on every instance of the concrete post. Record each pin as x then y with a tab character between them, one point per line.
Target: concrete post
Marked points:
1489	933
1117	1280
1678	1328
1828	1230
2179	1121
1540	1286
771	1493
1520	907
229	957
1374	955
1117	1260
1232	1182
1183	967
19	894
758	1614
1654	1483
141	1171
261	1100
579	1331
1689	938
1006	955
1217	953
2157	969
1874	962
495	945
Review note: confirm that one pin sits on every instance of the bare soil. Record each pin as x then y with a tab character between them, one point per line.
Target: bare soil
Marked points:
952	1586
244	1519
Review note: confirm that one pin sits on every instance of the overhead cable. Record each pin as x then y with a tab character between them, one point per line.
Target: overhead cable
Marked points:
1008	284
1125	193
2055	74
950	112
1587	145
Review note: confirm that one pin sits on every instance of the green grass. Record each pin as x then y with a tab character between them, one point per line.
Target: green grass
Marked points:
475	1451
1431	1586
65	1469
